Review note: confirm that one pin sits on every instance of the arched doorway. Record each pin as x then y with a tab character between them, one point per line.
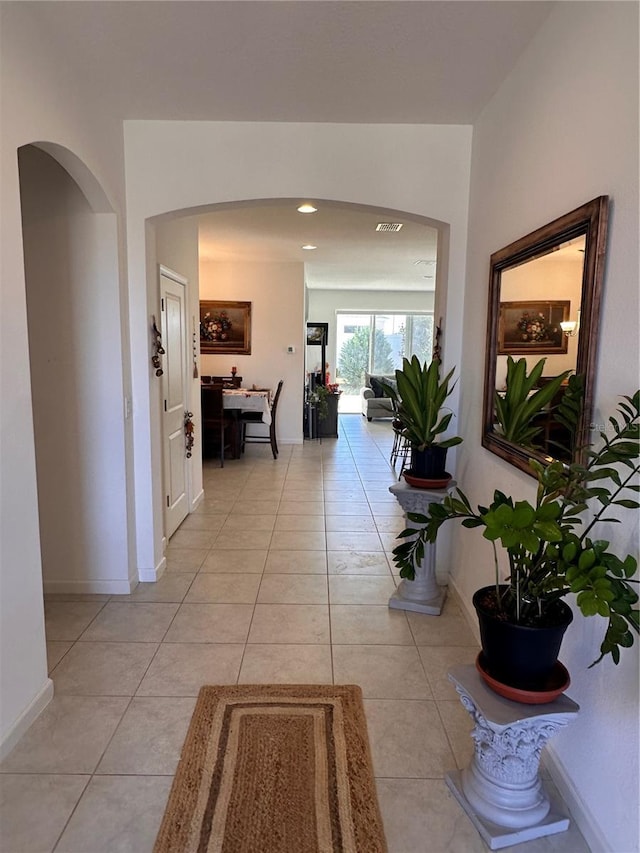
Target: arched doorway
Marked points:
175	239
76	362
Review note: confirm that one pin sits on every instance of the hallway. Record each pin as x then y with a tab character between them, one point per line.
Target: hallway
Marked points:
281	575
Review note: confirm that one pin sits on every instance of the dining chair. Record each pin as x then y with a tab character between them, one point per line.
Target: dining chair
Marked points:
401	448
247	418
214	420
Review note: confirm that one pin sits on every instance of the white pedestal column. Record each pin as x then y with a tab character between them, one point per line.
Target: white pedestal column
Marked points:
501	790
422	595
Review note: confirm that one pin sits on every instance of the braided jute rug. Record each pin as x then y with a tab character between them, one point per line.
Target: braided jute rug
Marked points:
274	769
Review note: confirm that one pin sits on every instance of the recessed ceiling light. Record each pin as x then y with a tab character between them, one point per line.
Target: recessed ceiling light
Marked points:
308	246
307	208
388	226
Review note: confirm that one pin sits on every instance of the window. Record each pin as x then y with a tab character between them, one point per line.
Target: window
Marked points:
377	343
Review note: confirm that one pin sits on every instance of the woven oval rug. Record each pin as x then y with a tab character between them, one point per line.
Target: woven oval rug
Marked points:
274	769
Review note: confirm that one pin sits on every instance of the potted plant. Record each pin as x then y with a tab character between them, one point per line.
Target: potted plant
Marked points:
523	400
318	398
418	401
552	553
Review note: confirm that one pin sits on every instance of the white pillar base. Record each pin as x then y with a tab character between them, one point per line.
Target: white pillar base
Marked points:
496	837
421	595
501	790
403	600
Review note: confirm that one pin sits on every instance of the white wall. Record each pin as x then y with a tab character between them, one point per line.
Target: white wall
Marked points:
276	293
173	166
324	305
41	101
562	130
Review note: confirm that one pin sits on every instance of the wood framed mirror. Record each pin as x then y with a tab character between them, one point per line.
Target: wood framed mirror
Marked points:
552	276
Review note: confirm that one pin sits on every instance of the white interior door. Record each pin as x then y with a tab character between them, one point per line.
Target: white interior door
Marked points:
174	387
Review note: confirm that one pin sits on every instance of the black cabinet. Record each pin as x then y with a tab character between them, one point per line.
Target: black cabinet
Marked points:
328	426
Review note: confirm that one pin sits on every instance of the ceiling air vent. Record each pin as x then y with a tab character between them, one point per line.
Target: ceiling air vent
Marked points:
388	226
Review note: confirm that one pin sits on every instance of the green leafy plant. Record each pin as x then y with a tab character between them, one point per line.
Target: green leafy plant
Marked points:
550	543
318	398
517	406
419	399
570	407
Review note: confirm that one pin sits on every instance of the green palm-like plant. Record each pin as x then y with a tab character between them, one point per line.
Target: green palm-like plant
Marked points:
522	400
419	400
549	543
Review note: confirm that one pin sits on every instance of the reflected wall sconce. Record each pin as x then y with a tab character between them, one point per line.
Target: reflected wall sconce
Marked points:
571	327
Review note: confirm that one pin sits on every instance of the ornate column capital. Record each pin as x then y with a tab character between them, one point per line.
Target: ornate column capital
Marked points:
501	789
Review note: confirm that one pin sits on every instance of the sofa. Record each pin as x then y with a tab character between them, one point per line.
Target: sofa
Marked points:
374	403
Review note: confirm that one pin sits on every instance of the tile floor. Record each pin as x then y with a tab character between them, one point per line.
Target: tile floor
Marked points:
282	575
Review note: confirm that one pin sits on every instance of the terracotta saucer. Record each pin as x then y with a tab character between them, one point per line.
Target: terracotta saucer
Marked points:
557	683
422	483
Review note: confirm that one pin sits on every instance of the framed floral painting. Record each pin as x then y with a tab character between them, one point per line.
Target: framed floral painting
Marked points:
225	328
532	327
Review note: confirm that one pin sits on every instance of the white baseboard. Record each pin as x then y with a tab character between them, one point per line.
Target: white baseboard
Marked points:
90	587
580	814
195	503
28	716
153	575
467	610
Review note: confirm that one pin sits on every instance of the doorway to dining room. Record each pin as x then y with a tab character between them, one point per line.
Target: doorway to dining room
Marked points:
251	251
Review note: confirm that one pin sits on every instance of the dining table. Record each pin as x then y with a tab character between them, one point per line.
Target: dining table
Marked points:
248	400
236	400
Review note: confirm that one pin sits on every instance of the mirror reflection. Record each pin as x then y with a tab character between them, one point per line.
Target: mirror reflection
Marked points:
539	320
542	338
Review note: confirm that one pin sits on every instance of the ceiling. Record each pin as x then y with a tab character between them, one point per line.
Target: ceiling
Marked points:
350	252
423	61
428	61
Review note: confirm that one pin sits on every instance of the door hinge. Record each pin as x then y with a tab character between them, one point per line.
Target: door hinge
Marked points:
165	405
162	304
168	504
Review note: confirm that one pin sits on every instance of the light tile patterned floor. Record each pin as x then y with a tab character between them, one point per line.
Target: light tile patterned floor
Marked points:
280	576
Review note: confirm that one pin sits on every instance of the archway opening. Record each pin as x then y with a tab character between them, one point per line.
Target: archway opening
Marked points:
238	250
75	351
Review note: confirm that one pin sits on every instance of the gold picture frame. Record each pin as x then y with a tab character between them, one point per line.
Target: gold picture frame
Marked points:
225	327
533	327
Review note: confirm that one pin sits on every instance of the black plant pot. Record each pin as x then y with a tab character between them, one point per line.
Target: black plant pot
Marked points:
519	655
429	464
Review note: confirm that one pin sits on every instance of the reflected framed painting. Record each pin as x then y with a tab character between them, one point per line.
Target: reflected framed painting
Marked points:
532	328
317	334
225	328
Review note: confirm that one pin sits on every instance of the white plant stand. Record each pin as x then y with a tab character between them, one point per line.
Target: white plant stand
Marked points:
501	790
421	595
